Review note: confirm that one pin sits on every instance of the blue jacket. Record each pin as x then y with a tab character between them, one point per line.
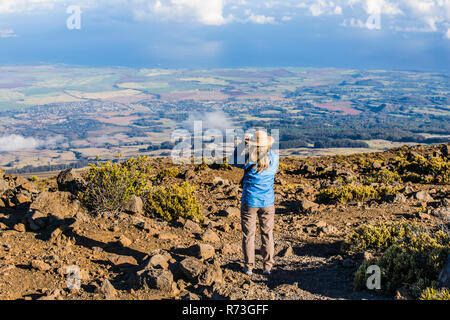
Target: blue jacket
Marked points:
258	187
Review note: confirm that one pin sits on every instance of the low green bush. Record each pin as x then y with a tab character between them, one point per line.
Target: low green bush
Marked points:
387	176
202	166
168	172
286	167
409	256
215	164
111	185
385	191
346	193
421	169
379	237
171	202
351	192
435	294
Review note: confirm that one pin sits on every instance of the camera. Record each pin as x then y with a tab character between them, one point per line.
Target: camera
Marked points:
248	137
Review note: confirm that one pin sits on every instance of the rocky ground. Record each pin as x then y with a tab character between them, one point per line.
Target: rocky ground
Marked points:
48	240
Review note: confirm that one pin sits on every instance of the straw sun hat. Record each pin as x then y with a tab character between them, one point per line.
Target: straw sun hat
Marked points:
261	139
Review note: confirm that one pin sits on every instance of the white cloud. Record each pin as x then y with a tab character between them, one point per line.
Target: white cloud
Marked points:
404	15
208	12
377	6
381	7
421	6
338	10
12	6
320	7
14	142
301	5
210	120
447	34
7	33
434	14
249	16
261	19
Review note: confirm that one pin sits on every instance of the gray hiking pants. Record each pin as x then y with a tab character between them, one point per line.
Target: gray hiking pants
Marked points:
266	221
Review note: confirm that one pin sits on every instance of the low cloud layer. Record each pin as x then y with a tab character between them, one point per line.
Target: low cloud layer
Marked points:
210	120
14	142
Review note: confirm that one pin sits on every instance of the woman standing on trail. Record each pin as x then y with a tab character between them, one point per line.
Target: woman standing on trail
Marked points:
260	163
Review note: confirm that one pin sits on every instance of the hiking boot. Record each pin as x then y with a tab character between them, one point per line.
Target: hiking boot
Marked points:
248	272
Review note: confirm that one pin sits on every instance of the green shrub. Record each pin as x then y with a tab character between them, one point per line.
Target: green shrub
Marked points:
406	266
111	185
411	257
362	162
168	172
215	164
339	181
385	191
420	209
421	169
386	176
433	294
413	177
350	192
286	167
202	166
346	193
379	237
171	202
34	179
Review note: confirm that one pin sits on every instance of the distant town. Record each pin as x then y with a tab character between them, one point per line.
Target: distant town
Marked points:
55	117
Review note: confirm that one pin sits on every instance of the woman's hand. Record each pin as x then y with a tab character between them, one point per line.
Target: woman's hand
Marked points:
247	137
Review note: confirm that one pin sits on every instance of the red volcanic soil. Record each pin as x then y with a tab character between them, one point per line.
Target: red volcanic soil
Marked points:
343	106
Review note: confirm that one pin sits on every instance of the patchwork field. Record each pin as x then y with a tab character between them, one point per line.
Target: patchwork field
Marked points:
70	115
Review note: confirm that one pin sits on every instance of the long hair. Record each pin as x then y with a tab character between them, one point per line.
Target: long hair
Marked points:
259	155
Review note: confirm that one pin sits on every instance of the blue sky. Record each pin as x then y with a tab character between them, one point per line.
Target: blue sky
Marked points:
402	34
